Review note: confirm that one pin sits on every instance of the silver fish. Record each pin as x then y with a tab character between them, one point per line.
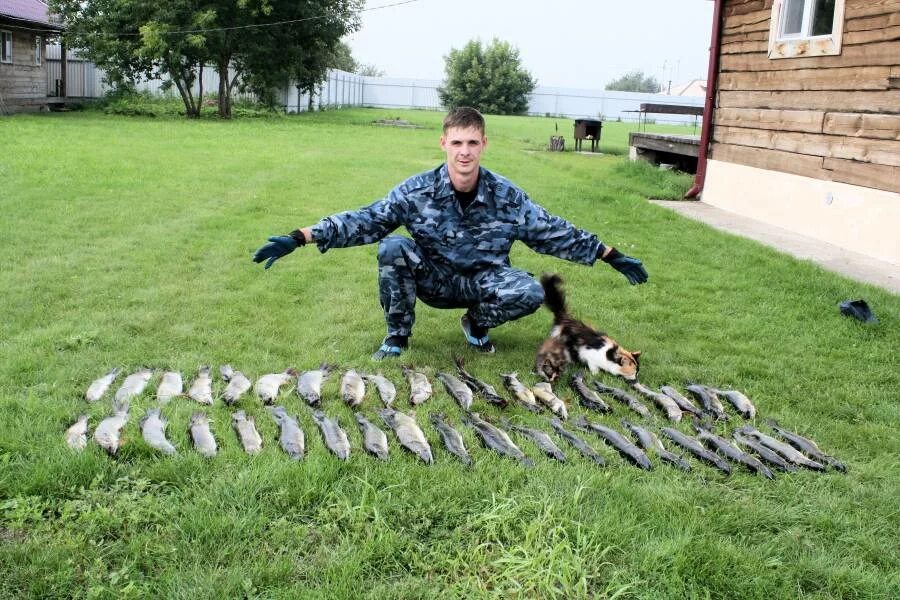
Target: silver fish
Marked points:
374	439
786	450
201	388
544	393
540	439
696	448
268	386
335	437
458	390
353	388
309	384
805	445
626	449
739	401
577	443
452	439
99	386
202	436
109	431
245	426
153	430
708	400
730	451
623	397
495	438
169	386
76	434
667	404
648	440
133	386
419	386
291	437
587	397
683	403
408	433
521	393
766	454
238	384
386	389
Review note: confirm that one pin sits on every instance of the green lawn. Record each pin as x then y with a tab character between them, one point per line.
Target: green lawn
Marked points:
127	241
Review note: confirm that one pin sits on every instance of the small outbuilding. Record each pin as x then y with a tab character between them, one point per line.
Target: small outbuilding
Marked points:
25	27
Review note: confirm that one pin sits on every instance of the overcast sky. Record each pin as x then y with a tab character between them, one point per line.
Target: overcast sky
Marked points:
563	43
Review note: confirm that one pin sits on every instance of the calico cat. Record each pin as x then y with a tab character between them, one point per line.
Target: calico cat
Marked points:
571	339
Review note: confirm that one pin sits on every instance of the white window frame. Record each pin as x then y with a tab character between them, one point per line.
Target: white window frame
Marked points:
803	45
38	50
6	52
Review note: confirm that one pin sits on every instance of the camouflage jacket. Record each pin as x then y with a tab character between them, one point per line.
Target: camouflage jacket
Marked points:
464	241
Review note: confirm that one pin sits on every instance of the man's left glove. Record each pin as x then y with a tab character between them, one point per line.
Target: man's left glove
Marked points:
278	246
630	267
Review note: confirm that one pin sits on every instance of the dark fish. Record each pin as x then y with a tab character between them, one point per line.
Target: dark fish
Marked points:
786	450
648	440
486	390
577	443
623	397
587	397
335	437
374	439
708	400
739	401
805	445
696	448
767	455
667	404
309	384
727	449
683	403
495	438
540	439
458	390
628	450
452	439
292	439
408	433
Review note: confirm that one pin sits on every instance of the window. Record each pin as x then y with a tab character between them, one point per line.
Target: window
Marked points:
6	46
806	28
38	50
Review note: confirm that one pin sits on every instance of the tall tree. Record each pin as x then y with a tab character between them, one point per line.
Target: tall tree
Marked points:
634	81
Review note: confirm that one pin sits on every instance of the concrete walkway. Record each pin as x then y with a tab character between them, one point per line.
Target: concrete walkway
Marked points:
833	258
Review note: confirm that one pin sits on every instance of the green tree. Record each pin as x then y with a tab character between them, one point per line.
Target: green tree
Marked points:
634	81
490	78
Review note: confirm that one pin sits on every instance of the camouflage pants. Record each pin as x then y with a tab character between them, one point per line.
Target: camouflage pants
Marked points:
492	297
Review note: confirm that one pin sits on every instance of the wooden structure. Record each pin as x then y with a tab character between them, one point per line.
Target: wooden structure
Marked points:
588	129
25	26
805	123
666	109
665	148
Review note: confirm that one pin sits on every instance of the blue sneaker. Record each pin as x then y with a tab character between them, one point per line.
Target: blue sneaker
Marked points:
389	348
476	336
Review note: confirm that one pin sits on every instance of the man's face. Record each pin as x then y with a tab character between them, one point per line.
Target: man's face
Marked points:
463	148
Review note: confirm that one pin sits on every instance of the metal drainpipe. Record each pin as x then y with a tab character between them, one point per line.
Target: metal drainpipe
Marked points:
712	78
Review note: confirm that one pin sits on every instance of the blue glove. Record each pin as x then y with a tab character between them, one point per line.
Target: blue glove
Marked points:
278	246
631	268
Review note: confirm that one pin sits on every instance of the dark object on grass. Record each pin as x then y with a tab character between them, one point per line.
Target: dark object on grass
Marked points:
858	309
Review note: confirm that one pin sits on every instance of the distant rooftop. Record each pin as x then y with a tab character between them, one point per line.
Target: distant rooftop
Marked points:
29	12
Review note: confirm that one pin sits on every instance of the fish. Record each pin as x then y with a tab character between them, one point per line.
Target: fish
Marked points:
169	386
667	404
201	388
649	441
153	430
374	439
309	384
495	438
727	449
577	443
335	437
540	439
408	433
453	440
458	390
268	386
623	446
76	434
587	397
623	397
108	432
521	393
99	386
419	386
696	448
544	393
386	389
805	445
133	386
486	390
291	437
202	436
708	400
245	426
739	401
766	454
353	388
683	403
786	450
238	384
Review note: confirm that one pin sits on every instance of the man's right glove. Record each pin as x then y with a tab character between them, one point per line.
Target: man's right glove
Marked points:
631	268
278	246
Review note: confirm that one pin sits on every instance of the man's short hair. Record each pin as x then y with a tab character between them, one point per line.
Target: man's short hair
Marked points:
464	117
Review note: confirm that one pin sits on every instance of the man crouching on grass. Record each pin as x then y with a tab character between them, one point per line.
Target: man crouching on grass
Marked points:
463	220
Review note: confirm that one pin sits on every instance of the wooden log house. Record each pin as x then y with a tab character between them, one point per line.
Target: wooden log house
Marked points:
805	119
25	26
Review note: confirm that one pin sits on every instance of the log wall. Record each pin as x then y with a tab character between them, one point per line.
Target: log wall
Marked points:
832	118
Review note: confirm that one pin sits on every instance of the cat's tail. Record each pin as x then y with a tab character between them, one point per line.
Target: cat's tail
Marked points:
554	297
